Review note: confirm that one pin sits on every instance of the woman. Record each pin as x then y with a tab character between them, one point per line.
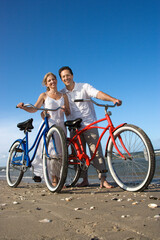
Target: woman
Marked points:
50	99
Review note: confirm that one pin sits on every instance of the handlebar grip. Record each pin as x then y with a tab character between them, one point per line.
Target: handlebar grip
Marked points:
22	105
79	100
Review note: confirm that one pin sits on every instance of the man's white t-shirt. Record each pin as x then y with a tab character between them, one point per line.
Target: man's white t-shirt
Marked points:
84	110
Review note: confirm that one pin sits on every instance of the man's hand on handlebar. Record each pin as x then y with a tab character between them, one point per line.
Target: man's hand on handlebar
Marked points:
119	102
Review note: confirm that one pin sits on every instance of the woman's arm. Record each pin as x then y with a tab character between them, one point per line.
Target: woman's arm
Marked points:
38	104
66	105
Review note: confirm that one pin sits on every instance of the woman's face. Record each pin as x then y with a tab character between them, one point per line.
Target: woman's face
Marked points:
51	82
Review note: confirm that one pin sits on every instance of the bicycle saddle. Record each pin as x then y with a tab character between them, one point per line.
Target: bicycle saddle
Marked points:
73	123
27	125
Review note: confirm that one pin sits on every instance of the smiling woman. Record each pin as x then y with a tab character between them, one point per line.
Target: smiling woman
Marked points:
51	99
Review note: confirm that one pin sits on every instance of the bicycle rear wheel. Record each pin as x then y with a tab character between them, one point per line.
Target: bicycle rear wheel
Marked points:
74	170
55	164
135	172
14	171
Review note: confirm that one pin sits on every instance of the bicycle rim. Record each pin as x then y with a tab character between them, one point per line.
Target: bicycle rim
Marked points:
136	172
55	164
74	169
14	172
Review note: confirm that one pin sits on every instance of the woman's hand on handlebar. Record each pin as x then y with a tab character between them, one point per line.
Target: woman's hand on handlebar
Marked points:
20	105
43	115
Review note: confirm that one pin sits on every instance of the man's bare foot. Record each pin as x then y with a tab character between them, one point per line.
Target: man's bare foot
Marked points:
84	183
105	184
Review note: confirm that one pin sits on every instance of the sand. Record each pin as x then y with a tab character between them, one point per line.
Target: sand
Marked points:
31	212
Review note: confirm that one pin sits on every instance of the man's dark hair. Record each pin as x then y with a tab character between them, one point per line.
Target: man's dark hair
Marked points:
65	68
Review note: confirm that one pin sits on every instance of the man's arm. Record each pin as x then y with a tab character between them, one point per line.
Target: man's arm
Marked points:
105	97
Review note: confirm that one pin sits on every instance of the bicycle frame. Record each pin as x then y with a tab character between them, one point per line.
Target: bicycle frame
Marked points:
76	140
41	133
25	143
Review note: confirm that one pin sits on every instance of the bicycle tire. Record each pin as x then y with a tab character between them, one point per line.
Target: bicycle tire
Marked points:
74	170
136	172
14	171
55	165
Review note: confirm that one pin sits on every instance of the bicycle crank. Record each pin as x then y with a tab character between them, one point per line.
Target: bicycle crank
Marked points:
83	165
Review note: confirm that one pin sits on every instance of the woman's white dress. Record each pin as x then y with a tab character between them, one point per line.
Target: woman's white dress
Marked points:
57	118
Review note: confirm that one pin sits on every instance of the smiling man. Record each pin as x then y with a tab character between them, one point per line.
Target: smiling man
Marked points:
86	111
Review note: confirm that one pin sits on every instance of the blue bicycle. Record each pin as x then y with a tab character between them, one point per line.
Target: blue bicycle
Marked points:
54	152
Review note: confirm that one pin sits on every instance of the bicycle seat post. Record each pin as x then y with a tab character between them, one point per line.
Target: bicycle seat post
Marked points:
28	164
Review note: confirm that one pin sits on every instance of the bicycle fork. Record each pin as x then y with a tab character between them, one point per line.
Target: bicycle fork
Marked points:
111	130
115	145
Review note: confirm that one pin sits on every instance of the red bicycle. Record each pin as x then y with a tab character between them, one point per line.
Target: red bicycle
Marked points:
129	152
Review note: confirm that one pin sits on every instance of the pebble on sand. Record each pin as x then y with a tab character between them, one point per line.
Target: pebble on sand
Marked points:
15	202
125	216
45	220
68	199
135	203
76	209
152	205
91	208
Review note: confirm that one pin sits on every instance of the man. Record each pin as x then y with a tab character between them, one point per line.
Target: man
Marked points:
85	110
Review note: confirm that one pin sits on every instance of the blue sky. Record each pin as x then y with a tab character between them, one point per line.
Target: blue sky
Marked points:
112	44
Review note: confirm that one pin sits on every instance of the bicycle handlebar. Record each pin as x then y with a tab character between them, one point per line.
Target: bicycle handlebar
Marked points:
42	109
91	100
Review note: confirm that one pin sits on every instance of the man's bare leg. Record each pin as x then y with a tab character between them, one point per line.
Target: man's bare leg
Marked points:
84	183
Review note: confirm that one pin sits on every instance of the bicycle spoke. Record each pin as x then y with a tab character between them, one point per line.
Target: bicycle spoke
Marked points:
74	170
15	164
55	159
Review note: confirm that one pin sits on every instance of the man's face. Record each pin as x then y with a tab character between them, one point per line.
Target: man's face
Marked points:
67	77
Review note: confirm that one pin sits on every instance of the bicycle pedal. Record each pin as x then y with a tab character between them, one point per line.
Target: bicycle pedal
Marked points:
83	166
19	150
71	156
37	179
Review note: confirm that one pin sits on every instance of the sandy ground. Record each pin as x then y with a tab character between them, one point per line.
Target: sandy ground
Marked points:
31	212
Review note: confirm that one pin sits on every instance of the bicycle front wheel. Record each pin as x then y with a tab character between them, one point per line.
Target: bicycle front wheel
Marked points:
74	170
135	172
55	159
14	171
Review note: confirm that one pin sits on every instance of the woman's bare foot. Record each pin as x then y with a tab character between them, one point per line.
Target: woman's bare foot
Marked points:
54	184
54	181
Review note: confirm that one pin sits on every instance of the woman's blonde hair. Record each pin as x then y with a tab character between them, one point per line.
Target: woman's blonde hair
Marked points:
44	82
